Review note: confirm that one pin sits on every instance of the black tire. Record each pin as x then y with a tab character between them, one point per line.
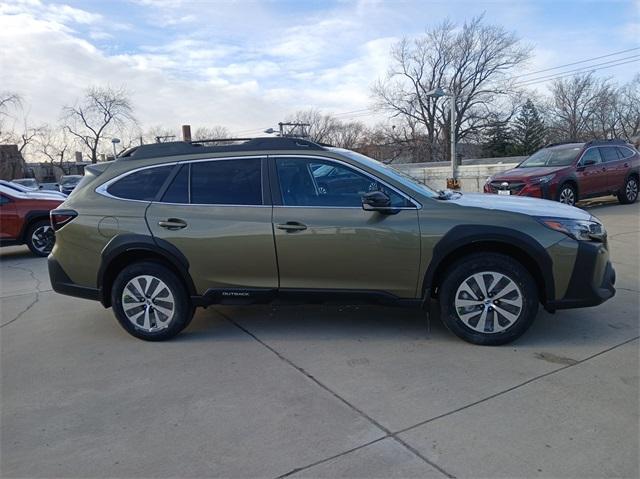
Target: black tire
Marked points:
43	244
567	194
182	308
629	192
461	271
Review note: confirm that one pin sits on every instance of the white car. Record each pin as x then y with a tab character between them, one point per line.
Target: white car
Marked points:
50	194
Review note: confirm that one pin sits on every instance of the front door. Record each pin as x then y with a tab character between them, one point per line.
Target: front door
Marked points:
591	173
215	213
326	241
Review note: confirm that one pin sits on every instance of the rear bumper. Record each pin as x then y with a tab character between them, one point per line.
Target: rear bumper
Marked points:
592	281
61	283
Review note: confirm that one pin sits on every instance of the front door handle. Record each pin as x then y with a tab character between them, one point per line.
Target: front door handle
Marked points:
291	226
172	224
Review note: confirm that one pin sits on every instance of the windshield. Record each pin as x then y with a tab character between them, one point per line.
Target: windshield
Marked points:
551	157
27	182
390	171
70	180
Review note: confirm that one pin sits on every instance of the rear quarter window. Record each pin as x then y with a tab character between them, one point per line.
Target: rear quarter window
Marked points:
141	185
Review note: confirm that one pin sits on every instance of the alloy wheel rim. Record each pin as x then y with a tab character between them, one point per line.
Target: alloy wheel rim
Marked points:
567	197
148	303
488	302
632	190
43	238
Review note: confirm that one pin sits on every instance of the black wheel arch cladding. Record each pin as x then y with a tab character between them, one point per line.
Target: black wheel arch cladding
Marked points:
475	238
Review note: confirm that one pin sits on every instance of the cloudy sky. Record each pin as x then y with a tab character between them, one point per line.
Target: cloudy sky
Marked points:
246	64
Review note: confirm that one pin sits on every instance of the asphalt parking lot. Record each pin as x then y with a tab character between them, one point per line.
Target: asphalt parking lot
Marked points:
318	391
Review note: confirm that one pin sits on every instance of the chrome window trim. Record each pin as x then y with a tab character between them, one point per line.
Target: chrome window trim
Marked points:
102	189
416	203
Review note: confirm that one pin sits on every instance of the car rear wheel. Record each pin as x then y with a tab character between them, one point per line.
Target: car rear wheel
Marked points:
567	195
488	299
40	238
629	192
150	301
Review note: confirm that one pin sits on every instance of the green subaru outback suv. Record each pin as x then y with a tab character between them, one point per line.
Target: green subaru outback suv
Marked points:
168	227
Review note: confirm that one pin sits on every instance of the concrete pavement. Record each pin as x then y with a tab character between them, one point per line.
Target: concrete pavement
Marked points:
318	391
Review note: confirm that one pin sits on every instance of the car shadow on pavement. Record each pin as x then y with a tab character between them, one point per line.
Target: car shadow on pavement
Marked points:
317	323
17	253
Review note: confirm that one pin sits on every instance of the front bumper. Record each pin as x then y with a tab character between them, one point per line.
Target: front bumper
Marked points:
592	281
539	190
61	283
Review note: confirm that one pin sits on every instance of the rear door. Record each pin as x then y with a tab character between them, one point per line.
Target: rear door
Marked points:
592	178
612	162
218	214
620	167
326	241
9	221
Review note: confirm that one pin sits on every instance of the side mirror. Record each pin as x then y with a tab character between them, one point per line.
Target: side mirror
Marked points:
377	201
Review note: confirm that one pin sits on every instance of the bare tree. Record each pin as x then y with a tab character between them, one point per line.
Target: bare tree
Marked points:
348	135
321	127
473	62
8	101
102	112
159	134
214	133
574	105
54	144
628	110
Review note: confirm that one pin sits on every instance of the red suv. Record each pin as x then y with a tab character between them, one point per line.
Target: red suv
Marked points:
24	219
574	171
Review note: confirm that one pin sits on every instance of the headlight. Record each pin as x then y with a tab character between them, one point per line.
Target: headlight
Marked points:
582	230
489	178
543	179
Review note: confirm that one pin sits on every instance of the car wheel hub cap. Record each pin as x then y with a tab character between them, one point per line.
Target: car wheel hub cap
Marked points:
488	302
43	238
632	190
148	303
567	196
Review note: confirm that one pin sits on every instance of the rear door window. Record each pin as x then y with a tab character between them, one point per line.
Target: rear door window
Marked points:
178	190
227	182
609	154
141	185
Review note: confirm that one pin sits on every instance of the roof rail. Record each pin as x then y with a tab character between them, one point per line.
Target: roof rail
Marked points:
224	145
568	142
606	142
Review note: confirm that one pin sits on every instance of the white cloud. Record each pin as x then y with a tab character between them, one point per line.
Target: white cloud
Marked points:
240	64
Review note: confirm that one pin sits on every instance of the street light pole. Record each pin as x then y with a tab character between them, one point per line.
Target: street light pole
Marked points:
439	93
454	159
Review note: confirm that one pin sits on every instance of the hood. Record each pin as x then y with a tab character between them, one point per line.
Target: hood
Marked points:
40	195
525	173
521	204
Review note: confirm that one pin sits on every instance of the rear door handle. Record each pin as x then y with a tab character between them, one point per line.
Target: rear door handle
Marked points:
172	224
291	226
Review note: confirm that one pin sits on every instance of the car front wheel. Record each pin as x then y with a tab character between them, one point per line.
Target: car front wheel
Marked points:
629	192
150	301
488	299
567	195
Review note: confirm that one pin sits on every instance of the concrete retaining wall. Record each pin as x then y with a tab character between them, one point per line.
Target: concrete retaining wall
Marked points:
472	177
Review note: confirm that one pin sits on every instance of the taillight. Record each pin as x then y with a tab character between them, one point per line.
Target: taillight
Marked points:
59	218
